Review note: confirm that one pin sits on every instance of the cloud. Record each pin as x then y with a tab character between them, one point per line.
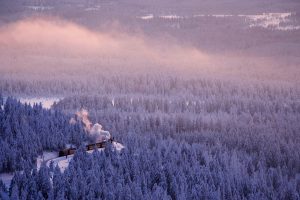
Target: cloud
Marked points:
58	48
49	43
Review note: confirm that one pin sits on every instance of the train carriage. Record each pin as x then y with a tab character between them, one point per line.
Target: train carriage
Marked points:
71	151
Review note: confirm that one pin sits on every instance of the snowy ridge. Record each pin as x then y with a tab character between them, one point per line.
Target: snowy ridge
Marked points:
275	21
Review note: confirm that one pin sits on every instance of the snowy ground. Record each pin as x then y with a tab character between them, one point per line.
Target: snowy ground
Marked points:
7	177
47	157
63	162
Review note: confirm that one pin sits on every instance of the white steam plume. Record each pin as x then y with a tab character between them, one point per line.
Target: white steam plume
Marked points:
95	130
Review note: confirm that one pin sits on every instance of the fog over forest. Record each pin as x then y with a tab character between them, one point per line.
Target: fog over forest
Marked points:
99	36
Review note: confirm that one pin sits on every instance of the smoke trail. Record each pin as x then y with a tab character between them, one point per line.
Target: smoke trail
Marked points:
95	131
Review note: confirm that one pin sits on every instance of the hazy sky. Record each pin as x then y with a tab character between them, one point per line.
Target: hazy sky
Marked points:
48	41
42	45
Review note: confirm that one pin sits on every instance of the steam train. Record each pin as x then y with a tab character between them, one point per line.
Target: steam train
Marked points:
71	151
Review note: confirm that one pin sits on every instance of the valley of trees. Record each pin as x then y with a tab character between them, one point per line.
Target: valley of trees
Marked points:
184	139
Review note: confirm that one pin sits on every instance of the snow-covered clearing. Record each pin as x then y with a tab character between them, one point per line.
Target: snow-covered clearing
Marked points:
94	8
7	177
45	157
147	17
278	21
39	8
46	102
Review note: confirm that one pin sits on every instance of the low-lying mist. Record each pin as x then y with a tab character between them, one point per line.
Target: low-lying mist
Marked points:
52	46
56	44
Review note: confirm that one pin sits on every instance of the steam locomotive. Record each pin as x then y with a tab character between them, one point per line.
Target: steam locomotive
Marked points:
71	151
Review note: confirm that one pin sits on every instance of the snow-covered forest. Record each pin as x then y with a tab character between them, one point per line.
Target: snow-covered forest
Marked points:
184	139
27	131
